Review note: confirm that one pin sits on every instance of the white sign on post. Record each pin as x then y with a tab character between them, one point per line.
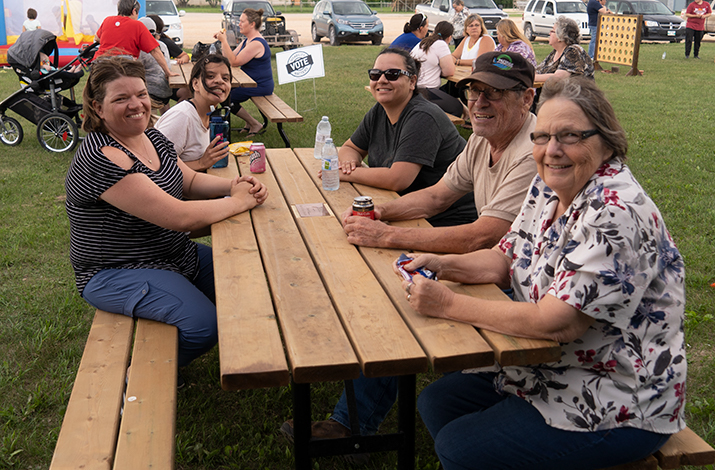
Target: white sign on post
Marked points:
300	64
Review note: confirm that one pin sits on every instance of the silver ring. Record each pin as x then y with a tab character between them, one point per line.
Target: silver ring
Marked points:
409	296
409	288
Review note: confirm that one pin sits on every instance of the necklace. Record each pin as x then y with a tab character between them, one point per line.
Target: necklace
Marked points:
145	154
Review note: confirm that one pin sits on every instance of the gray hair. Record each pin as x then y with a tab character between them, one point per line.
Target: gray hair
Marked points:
584	93
567	30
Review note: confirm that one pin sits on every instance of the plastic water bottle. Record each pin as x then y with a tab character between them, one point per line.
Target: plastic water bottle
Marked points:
321	133
212	48
331	176
663	55
218	126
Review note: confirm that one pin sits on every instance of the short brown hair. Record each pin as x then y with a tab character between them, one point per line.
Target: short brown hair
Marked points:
127	7
584	93
471	19
31	13
105	70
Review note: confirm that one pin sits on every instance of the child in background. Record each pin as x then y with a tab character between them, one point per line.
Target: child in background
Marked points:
31	23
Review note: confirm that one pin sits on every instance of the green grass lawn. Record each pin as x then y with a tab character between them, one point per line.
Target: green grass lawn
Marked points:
670	124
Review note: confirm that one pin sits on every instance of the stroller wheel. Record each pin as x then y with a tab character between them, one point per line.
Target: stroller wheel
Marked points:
10	131
57	133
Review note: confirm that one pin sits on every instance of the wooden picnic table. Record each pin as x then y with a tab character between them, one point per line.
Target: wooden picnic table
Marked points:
240	78
287	265
463	71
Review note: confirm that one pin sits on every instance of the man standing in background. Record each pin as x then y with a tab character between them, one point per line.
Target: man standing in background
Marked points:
696	13
593	8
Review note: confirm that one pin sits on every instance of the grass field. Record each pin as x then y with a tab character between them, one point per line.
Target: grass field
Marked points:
670	122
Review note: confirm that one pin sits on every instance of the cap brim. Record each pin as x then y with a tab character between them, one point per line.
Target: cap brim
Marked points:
499	82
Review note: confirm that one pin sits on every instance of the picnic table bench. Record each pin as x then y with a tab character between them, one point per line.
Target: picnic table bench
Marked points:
117	418
274	109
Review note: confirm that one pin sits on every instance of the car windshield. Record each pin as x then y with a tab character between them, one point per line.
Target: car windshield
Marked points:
571	7
238	7
483	4
651	8
161	7
351	8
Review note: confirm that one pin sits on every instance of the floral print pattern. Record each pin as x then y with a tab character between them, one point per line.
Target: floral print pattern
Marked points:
611	257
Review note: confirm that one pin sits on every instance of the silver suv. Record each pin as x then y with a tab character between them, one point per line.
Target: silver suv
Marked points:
539	16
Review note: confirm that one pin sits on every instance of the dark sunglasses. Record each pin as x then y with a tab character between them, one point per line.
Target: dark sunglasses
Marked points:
390	74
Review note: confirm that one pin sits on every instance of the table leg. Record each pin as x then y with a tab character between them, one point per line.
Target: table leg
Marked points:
301	425
352	408
406	410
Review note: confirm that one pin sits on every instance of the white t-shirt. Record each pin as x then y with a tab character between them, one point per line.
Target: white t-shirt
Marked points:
182	125
430	71
31	25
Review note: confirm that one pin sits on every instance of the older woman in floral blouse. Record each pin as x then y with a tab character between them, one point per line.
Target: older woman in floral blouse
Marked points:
593	267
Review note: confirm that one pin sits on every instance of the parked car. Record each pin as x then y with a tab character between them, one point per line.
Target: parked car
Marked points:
273	27
441	10
170	16
659	21
345	21
539	16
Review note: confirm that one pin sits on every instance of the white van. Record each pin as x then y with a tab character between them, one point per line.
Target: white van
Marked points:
170	16
539	16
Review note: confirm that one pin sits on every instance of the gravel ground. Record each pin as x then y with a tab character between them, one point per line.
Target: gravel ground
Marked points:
202	26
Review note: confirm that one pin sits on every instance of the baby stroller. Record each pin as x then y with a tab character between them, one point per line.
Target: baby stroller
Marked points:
39	100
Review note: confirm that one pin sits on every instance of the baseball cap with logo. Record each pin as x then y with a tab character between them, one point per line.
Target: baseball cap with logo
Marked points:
501	70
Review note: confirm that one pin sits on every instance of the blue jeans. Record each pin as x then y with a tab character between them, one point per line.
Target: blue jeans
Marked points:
475	427
592	44
374	398
164	296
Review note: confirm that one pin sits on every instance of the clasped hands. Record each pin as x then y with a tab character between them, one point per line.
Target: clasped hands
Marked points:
243	186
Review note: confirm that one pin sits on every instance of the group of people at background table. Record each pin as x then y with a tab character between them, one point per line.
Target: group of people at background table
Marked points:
437	61
143	39
544	207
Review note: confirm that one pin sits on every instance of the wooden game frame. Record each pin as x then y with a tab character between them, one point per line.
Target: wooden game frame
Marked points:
618	41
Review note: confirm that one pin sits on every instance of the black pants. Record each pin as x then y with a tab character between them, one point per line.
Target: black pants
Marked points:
691	34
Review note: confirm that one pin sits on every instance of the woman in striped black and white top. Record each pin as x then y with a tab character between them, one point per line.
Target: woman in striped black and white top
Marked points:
132	207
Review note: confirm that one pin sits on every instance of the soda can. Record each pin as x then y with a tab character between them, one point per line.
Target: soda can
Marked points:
258	157
364	207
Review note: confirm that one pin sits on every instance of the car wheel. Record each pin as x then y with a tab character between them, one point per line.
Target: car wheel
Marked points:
10	131
314	33
333	35
529	32
377	41
57	133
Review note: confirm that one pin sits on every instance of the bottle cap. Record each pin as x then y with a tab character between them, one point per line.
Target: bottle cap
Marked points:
328	140
325	118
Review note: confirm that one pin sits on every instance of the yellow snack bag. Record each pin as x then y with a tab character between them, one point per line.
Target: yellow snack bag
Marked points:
240	149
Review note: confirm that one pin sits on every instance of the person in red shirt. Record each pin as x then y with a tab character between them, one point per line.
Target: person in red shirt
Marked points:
123	34
696	13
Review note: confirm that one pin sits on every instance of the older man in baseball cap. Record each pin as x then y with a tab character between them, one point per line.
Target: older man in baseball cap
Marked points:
497	164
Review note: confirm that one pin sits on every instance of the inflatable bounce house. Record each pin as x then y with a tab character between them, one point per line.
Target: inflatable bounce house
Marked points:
74	22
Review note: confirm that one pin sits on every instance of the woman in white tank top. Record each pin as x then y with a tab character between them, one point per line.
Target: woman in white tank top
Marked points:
476	42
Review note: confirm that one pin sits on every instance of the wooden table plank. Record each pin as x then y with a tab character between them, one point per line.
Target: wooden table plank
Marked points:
88	437
147	433
449	345
383	343
509	350
239	77
316	343
250	347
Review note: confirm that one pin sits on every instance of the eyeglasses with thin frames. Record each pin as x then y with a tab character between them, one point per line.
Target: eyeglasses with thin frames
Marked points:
563	137
390	74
